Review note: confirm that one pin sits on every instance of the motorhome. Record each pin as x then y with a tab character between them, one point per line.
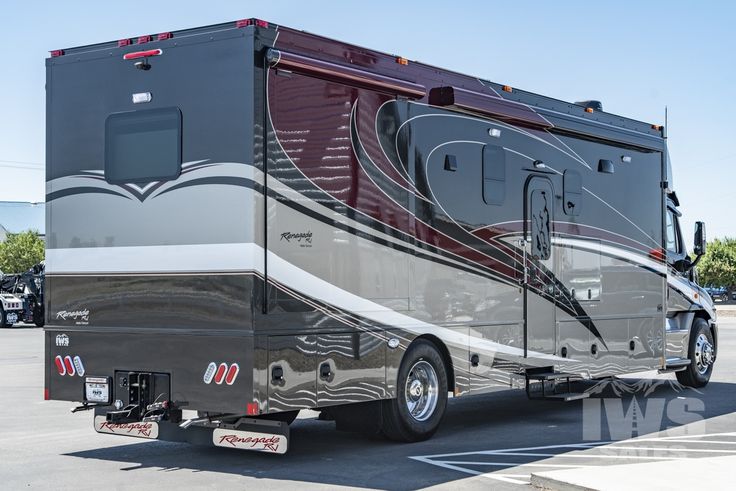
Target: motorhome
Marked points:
246	220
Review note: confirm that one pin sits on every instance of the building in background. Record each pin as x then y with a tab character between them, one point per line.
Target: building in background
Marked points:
17	217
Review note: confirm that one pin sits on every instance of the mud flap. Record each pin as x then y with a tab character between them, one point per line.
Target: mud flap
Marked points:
246	434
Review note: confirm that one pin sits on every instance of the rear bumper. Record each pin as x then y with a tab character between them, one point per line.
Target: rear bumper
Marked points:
185	357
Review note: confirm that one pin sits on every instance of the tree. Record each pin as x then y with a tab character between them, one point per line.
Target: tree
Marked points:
718	266
20	252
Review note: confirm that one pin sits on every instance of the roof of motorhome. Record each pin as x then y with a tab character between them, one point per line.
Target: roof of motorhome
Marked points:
574	115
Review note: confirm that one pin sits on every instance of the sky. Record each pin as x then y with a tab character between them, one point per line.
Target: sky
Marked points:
636	57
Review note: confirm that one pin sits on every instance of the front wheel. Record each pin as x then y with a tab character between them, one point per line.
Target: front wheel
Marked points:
421	395
702	355
4	318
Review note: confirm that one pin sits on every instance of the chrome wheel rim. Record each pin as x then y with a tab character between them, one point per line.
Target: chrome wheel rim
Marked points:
704	354
421	391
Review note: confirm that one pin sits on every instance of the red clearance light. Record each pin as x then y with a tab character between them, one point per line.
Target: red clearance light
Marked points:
142	54
57	52
165	35
46	394
658	255
250	22
124	42
145	39
252	409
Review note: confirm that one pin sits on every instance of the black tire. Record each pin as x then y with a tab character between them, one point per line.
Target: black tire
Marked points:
39	316
3	319
692	376
398	423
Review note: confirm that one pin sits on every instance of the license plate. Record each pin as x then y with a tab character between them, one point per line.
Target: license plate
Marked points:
97	389
11	317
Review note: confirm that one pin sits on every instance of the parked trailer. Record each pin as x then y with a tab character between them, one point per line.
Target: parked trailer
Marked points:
246	220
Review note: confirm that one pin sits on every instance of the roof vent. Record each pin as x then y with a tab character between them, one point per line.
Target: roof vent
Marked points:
594	105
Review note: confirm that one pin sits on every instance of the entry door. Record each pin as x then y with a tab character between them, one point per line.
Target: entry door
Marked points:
539	285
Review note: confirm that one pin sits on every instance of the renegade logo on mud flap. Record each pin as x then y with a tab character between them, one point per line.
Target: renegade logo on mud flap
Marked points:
138	429
249	440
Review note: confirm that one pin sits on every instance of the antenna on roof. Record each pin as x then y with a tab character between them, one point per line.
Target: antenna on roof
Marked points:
665	121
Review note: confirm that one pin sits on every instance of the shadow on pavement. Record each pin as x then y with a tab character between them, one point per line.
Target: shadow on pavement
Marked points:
506	419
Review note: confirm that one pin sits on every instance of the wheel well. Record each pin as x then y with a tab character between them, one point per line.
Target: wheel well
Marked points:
445	357
702	314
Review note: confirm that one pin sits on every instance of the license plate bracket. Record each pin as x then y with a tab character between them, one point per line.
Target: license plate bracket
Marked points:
97	390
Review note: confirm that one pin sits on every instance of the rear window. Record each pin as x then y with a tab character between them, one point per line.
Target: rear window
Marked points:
143	146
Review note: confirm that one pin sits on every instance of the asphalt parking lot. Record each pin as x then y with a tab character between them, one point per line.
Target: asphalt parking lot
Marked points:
490	441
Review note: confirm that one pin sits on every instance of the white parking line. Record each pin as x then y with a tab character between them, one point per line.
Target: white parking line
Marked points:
587	450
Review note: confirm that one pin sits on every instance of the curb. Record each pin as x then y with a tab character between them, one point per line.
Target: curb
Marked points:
540	481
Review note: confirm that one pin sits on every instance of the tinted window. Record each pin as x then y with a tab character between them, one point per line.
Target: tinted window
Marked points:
494	175
672	244
143	146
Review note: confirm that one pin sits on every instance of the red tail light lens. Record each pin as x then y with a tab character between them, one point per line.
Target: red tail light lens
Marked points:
60	367
57	52
165	35
145	39
124	42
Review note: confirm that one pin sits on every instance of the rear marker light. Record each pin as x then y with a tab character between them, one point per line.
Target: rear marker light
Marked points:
57	52
209	374
142	54
164	35
250	22
145	39
124	42
79	366
59	362
220	374
232	374
252	409
69	364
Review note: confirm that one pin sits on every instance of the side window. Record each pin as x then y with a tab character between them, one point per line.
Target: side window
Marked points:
672	242
143	146
494	175
572	188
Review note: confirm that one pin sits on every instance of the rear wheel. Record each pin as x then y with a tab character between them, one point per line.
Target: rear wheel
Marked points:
702	355
4	318
421	399
39	316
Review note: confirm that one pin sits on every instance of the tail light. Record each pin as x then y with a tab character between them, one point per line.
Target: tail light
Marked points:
232	374
60	367
142	54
